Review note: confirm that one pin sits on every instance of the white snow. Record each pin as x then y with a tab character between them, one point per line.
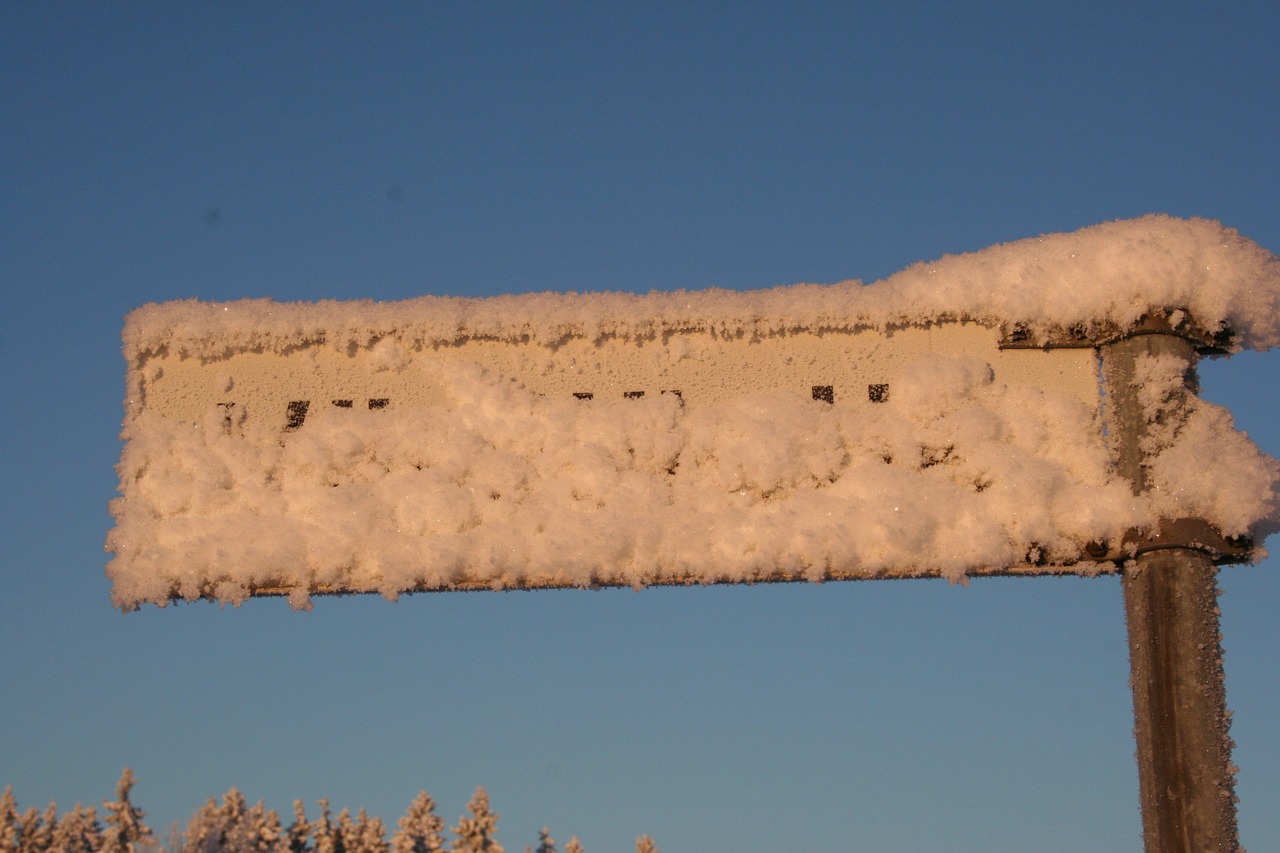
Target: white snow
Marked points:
485	482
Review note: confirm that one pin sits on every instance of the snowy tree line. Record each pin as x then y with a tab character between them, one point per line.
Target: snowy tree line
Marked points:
234	826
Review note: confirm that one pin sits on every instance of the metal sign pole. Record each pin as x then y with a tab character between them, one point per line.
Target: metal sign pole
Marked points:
1175	649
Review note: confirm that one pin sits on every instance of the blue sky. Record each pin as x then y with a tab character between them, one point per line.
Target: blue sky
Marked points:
151	152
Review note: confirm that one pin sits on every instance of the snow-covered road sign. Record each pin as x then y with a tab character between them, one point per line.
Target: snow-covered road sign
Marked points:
948	421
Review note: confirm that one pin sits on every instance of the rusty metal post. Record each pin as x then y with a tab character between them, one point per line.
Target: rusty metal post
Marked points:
1186	785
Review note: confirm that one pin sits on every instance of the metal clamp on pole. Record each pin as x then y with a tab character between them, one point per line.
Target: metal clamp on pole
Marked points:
1175	646
1190	534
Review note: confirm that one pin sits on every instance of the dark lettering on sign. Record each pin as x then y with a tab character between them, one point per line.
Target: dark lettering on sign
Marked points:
297	413
226	417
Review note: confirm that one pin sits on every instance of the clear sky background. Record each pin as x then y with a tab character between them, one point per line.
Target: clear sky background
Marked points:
154	151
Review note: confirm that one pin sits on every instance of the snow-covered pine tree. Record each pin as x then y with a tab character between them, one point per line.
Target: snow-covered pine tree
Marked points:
546	844
256	831
297	836
370	835
420	828
77	832
205	830
644	844
271	828
37	833
345	831
475	833
10	826
574	845
232	810
28	830
328	838
125	827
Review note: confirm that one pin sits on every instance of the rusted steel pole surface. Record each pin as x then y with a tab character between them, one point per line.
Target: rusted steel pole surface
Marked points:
1185	775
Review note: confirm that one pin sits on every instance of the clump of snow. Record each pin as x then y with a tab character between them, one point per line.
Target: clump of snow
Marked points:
1197	464
1212	471
954	473
388	354
1160	385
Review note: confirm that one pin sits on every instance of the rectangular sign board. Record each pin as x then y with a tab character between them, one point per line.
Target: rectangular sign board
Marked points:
685	457
809	432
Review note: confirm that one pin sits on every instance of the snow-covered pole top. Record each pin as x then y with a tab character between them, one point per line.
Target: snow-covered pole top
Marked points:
1106	276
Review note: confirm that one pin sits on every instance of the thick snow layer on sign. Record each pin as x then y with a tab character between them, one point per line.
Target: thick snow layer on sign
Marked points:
494	475
1110	274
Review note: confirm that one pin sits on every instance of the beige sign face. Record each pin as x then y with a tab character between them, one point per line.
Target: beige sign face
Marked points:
684	457
839	367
